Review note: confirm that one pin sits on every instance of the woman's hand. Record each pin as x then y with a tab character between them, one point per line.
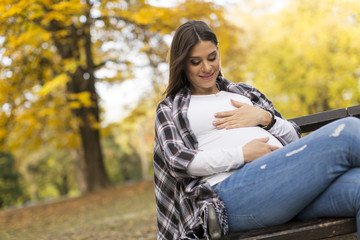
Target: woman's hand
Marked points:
257	148
244	116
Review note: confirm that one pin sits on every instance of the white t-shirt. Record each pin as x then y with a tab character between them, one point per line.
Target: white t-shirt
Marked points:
222	149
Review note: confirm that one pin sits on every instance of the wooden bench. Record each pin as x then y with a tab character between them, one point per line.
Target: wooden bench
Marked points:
311	229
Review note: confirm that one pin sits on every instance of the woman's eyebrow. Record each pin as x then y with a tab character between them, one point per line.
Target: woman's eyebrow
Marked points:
212	53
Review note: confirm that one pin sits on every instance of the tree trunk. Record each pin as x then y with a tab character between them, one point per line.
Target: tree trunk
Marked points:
96	176
79	170
83	80
77	42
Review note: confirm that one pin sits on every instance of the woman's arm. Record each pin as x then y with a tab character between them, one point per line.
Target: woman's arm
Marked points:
211	162
285	130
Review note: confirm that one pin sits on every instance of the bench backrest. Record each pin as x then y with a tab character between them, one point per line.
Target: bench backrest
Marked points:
314	121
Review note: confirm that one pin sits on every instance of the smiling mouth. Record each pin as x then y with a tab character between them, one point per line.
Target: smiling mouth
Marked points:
207	77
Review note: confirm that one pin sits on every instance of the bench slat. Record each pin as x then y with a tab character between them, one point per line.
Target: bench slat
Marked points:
311	229
314	121
354	111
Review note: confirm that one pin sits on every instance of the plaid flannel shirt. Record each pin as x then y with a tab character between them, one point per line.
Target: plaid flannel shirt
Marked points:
181	200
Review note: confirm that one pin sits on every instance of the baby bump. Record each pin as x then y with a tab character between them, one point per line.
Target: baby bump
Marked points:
234	137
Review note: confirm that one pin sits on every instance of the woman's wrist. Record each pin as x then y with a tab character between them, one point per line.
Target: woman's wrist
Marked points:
269	120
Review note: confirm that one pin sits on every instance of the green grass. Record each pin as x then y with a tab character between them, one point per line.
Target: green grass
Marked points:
122	212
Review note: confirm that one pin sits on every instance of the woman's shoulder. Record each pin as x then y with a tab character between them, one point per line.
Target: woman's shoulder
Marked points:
165	103
176	99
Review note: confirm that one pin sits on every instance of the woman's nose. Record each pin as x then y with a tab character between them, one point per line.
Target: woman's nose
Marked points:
206	67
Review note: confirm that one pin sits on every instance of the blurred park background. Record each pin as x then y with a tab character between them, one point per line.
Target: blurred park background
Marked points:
80	81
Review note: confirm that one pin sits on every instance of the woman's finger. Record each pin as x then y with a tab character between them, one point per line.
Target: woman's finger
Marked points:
221	126
224	114
273	148
222	121
237	104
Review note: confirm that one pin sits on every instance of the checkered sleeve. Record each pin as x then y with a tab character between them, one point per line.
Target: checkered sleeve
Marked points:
176	155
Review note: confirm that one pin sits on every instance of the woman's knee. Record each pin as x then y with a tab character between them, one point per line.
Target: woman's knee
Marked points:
349	122
345	127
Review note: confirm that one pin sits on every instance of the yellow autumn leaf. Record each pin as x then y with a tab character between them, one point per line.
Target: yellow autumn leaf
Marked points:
12	11
46	112
74	105
55	84
3	133
68	6
80	99
70	65
53	16
85	98
45	2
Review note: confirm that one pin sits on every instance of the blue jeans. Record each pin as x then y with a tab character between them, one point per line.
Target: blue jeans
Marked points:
316	176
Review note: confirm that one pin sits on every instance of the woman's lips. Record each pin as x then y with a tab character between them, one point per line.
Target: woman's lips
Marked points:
207	77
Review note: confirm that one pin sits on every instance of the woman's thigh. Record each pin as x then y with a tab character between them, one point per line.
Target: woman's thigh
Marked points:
275	188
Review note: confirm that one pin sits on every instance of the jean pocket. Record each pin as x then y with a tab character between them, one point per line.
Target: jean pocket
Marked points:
238	223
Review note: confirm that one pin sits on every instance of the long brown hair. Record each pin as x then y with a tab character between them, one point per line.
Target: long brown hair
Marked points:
186	36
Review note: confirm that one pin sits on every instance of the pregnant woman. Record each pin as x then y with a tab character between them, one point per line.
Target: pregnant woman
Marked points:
223	145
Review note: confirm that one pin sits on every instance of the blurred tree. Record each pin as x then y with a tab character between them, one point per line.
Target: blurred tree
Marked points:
136	133
121	164
10	190
53	52
49	173
305	57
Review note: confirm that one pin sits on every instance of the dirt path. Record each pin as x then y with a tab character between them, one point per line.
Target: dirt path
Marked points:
122	212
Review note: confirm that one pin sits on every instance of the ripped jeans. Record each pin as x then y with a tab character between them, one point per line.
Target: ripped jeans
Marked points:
316	176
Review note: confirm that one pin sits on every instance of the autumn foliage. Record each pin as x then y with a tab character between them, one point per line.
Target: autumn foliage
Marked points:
53	54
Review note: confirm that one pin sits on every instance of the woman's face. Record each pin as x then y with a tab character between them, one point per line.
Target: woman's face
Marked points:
202	68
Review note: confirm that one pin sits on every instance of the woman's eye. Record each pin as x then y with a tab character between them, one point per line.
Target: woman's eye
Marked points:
195	63
212	59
